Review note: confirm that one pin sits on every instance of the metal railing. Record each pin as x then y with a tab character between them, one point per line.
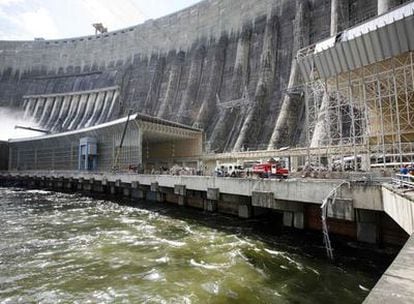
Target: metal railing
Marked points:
404	180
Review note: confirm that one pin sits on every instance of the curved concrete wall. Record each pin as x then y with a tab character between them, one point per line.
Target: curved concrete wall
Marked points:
221	64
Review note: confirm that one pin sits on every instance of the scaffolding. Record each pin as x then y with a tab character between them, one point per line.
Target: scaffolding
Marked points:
365	113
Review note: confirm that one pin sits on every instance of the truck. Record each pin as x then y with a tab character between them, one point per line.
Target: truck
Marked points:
229	170
270	169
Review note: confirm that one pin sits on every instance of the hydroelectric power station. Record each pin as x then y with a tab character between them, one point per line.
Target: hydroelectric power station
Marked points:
327	86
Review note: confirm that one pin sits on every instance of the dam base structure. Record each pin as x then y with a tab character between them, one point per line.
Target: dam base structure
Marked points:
231	69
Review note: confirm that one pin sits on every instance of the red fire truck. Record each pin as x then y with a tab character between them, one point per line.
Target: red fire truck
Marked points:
271	169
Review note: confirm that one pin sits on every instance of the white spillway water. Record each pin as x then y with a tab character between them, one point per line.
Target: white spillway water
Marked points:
64	109
90	104
105	109
96	109
9	118
38	105
46	110
27	108
73	106
80	110
54	112
114	99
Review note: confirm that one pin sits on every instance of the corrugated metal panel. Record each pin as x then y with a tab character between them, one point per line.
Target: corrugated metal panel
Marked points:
402	34
375	39
394	40
319	66
409	26
331	64
359	42
384	37
369	49
348	55
355	54
334	55
342	58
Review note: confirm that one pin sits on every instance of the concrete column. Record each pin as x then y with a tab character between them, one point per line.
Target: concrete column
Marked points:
79	184
59	183
32	183
298	220
367	226
42	182
136	192
180	190
159	196
264	199
385	5
112	188
342	209
118	183
245	210
69	183
213	196
287	218
126	190
98	187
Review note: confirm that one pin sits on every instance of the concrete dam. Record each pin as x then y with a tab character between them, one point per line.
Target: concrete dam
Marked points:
227	67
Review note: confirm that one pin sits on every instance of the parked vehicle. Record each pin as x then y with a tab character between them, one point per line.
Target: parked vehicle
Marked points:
271	169
229	170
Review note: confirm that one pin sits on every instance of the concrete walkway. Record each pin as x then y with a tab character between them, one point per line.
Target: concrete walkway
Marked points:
397	283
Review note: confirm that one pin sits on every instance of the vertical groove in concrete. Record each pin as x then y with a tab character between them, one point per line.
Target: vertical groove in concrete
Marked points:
172	85
151	100
286	121
266	73
241	65
193	83
212	88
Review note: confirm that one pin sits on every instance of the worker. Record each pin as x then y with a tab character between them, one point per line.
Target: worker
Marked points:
404	169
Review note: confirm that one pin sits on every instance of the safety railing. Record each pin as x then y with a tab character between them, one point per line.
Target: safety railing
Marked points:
403	180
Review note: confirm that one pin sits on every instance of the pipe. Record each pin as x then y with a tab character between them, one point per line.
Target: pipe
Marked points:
32	129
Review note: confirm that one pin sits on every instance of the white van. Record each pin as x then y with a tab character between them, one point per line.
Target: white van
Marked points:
229	169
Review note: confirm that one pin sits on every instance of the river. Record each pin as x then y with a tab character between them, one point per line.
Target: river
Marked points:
68	248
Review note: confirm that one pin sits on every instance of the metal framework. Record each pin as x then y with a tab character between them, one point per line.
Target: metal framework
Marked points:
61	151
370	109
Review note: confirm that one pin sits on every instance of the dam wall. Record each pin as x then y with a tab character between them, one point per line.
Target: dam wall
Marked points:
222	65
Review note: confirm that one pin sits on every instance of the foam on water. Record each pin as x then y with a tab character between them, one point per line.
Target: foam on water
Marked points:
63	247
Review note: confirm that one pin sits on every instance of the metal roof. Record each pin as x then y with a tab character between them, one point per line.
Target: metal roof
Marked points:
383	37
120	121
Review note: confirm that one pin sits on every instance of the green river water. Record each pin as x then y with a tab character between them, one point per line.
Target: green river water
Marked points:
66	248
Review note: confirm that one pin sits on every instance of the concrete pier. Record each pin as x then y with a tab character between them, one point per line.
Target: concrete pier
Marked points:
397	283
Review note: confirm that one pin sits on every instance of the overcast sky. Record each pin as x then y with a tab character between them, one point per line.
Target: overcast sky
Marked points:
51	19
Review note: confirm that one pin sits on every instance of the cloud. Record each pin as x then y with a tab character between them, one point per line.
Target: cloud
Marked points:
112	14
10	2
39	23
50	19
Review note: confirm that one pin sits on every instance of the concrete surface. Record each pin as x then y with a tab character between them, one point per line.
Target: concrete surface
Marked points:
397	284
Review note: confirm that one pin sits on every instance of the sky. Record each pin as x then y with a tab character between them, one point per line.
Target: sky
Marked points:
54	19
